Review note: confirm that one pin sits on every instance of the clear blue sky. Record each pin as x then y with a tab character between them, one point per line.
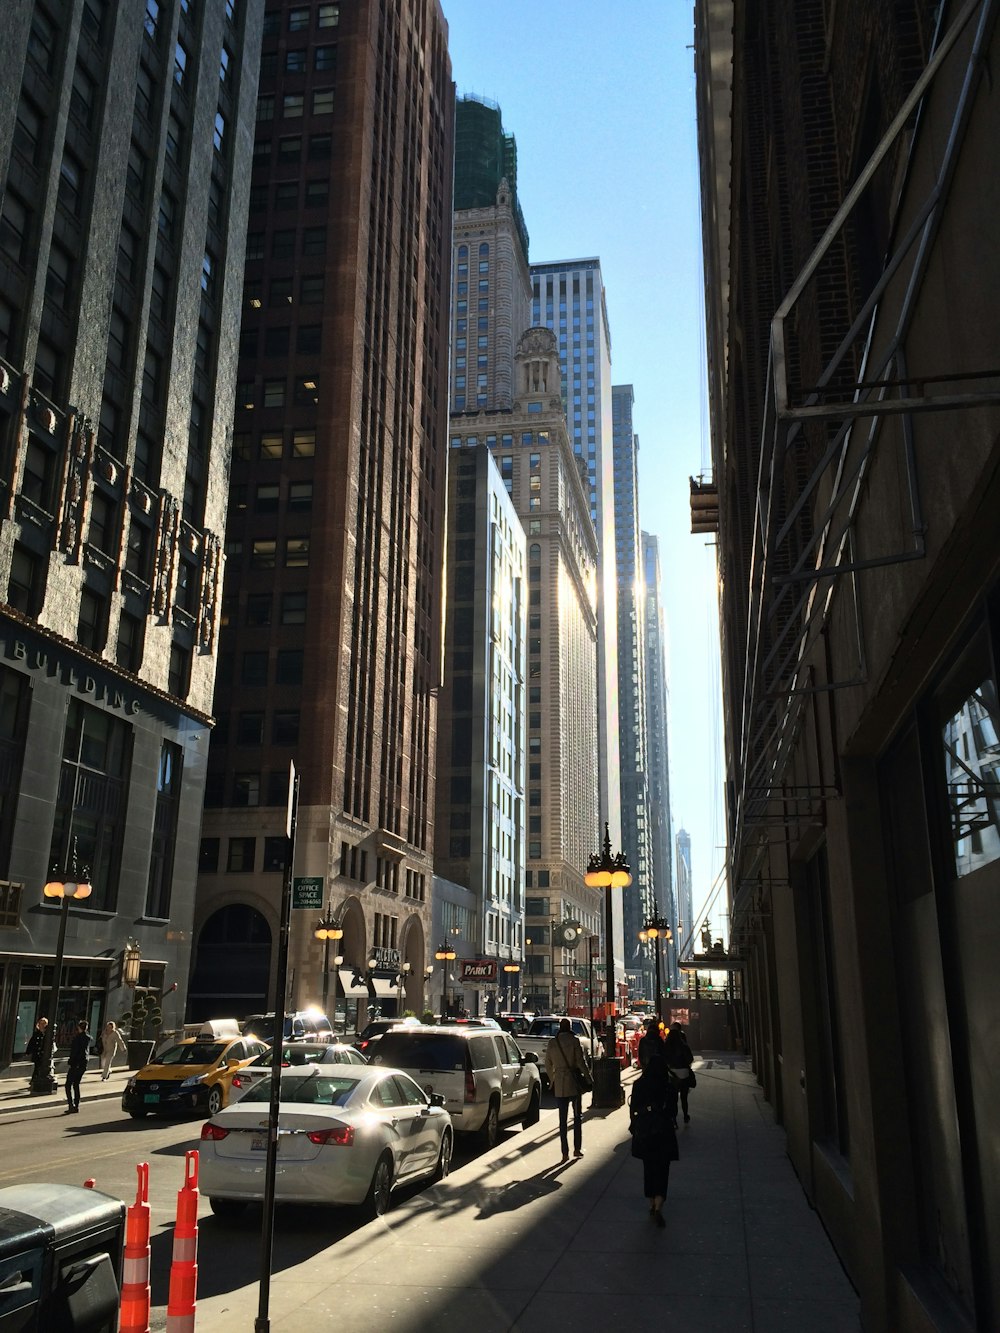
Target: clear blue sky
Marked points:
601	101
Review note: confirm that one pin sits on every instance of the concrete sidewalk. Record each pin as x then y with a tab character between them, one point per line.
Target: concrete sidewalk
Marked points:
515	1241
16	1098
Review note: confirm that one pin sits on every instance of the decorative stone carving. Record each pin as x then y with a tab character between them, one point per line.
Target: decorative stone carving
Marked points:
166	547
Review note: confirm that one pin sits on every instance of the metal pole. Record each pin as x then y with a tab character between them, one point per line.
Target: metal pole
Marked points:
262	1324
609	955
46	1066
590	992
326	972
659	1001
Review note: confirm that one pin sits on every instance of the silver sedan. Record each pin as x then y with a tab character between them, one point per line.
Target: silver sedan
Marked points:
346	1135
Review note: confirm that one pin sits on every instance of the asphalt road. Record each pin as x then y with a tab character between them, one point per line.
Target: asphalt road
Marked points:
104	1143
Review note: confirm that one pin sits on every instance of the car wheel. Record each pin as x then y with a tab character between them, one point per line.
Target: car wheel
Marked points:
138	1115
533	1113
214	1100
227	1209
490	1131
444	1157
377	1200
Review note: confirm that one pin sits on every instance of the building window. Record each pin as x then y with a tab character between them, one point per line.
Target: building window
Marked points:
263	554
296	552
179	671
288	667
322	103
274	393
128	650
161	861
24	586
293	608
91	628
285	727
208	856
293	105
275	854
326	58
240	858
250	729
246	789
91	799
254	669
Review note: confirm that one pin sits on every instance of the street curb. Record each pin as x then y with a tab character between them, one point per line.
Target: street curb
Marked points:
11	1103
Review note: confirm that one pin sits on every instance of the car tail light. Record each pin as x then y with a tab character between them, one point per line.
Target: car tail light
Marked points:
470	1086
210	1131
362	1045
341	1136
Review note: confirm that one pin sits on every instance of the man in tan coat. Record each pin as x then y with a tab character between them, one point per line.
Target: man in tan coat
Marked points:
562	1058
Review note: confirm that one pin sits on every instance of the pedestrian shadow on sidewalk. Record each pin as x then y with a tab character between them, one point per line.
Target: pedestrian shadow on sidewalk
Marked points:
518	1193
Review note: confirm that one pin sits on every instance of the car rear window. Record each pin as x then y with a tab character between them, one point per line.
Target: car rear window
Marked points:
411	1050
305	1089
198	1053
483	1053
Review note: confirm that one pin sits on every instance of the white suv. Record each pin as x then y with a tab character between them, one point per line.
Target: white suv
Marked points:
484	1078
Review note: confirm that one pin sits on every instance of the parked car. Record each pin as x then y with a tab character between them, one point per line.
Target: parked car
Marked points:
293	1054
377	1028
193	1075
516	1024
303	1025
541	1031
482	1075
347	1135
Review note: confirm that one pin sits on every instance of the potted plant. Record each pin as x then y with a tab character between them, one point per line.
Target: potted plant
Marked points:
141	1023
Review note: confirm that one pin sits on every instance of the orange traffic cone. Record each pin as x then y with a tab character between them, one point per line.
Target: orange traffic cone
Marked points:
184	1266
135	1269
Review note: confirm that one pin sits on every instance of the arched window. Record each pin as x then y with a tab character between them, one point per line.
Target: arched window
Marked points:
534	551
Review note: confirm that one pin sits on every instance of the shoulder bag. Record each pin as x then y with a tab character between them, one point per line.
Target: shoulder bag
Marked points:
584	1083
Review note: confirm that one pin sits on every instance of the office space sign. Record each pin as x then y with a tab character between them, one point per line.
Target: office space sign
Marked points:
478	970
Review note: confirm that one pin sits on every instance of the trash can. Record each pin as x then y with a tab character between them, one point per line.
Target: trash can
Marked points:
60	1259
608	1090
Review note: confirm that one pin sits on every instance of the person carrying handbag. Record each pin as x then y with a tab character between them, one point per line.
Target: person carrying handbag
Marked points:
679	1061
566	1065
652	1114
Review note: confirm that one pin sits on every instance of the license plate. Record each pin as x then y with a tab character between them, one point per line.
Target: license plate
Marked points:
258	1144
151	1097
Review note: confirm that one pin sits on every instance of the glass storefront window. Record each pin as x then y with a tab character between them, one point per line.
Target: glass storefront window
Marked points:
971	757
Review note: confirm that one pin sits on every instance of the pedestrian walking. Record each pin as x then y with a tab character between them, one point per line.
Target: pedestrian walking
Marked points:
566	1067
35	1049
651	1043
79	1054
109	1043
679	1061
652	1116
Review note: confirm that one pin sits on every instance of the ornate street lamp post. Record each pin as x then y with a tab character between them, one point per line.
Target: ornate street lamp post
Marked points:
403	973
444	954
511	968
328	928
652	930
70	886
605	871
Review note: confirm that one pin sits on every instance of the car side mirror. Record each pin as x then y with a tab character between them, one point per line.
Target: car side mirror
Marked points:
531	1056
437	1099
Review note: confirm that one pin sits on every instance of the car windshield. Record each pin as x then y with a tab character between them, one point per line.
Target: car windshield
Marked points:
198	1053
421	1050
313	1089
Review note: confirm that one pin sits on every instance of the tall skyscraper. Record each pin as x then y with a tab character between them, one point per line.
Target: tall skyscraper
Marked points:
480	778
331	643
655	652
124	162
685	895
514	408
638	901
568	298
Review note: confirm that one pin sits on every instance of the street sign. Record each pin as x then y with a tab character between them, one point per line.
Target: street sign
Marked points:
307	891
479	969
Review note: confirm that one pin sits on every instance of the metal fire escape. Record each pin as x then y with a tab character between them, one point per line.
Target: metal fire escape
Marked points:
792	591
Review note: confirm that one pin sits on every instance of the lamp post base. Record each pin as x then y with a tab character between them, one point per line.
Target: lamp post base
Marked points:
608	1090
43	1079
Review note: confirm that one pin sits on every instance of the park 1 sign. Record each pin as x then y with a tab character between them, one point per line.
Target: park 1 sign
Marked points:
307	891
478	969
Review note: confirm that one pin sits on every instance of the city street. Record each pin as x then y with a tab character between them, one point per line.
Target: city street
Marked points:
42	1143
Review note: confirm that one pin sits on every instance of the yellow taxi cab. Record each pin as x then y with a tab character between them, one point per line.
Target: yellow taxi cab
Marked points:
195	1074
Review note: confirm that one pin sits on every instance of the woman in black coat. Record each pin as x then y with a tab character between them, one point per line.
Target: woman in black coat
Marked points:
652	1111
